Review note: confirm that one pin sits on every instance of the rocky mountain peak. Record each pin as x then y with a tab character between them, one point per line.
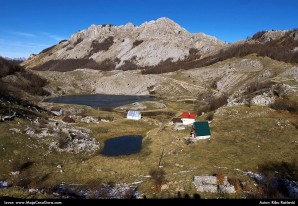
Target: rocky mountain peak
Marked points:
162	22
132	46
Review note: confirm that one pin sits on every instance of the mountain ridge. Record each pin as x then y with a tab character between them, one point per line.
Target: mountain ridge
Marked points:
146	45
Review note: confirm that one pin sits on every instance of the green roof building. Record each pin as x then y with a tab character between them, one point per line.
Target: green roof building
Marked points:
200	130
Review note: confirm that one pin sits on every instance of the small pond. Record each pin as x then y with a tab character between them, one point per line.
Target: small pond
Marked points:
100	100
124	145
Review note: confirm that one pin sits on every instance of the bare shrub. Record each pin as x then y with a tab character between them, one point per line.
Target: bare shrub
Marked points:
94	184
201	108
258	35
158	176
193	54
246	186
101	46
210	116
220	177
16	165
34	79
217	102
279	90
207	101
63	140
236	183
79	40
43	122
47	49
109	118
214	85
108	64
8	67
68	119
73	64
137	43
273	184
129	64
256	86
188	141
286	104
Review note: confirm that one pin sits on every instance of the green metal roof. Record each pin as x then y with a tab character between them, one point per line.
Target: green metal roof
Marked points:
202	128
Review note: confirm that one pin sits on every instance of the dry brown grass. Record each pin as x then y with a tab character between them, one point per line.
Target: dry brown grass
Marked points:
238	138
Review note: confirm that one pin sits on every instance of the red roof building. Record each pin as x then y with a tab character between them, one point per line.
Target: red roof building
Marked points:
188	118
188	115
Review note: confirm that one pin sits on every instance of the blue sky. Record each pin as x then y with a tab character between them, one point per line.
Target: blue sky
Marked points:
29	26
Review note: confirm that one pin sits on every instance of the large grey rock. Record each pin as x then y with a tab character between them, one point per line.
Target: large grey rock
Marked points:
210	184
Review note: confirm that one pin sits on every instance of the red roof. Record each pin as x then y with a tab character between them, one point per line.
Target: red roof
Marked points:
188	115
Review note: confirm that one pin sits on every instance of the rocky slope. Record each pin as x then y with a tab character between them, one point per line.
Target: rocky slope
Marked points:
170	62
19	88
126	47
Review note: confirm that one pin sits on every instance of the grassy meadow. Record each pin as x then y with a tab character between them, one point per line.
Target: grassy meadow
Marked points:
242	139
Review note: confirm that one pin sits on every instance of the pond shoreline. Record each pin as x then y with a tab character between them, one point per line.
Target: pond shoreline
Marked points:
100	100
124	145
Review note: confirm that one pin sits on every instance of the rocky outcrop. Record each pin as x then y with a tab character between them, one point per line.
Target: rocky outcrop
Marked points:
267	36
76	140
89	119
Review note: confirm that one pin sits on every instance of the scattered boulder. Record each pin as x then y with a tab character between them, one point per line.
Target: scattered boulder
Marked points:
3	184
89	119
15	130
265	74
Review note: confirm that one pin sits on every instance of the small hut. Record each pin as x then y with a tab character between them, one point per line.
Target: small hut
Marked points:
200	130
188	118
136	115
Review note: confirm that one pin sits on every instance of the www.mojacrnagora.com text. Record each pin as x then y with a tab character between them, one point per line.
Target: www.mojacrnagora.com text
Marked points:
36	202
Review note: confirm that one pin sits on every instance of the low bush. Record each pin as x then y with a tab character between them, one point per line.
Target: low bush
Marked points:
137	43
158	176
236	183
286	104
208	101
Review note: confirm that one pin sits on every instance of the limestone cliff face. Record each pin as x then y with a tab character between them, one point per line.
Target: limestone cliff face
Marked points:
145	45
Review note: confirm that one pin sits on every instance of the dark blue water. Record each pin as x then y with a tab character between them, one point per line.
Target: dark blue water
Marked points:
100	100
124	145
